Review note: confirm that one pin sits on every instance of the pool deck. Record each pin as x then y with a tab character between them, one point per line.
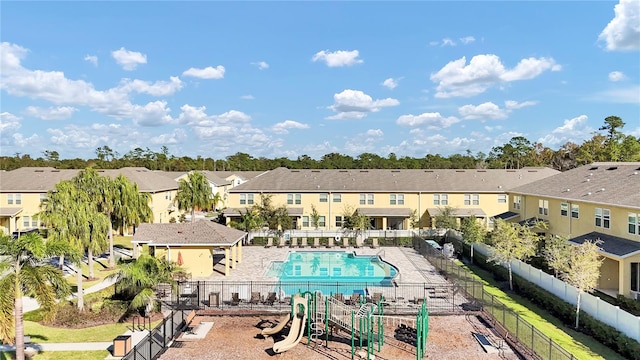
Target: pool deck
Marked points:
412	267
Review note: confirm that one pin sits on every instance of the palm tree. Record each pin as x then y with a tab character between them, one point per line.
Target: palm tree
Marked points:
196	192
140	278
215	200
27	272
131	206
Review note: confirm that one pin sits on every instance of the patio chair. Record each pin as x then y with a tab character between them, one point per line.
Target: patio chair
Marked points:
377	296
330	242
294	242
316	242
374	243
282	242
271	298
255	298
235	299
345	242
304	242
269	243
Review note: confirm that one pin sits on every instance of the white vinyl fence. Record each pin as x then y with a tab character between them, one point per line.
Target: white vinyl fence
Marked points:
592	305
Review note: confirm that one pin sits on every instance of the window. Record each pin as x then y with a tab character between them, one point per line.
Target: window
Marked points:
603	218
337	271
246	199
43	197
18	199
575	211
35	222
297	270
324	271
294	199
338	221
634	223
543	207
366	199
10	199
396	199
564	209
517	200
305	221
502	198
337	198
471	199
635	276
440	199
321	221
167	195
26	221
324	197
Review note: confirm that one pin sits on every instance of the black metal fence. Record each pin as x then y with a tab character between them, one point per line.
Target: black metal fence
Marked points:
504	320
159	338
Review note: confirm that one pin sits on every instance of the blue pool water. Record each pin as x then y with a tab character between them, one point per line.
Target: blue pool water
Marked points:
330	272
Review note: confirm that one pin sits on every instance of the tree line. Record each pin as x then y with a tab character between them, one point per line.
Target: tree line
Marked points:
606	144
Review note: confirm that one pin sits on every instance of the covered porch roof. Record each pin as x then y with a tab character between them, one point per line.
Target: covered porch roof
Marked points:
507	215
532	221
388	212
10	211
199	233
477	212
612	246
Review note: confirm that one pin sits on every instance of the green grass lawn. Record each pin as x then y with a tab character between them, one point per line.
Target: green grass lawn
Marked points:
100	269
45	334
62	355
122	241
578	344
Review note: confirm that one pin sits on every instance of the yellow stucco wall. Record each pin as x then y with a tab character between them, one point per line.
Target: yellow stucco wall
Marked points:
30	204
162	205
419	202
196	260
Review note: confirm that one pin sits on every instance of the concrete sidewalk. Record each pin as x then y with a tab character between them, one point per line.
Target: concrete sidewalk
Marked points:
30	304
83	346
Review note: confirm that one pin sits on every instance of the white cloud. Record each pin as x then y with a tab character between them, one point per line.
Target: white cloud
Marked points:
623	31
29	142
574	130
489	110
616	76
9	121
80	139
283	127
261	65
355	104
368	141
158	88
247	97
390	83
209	72
154	113
483	111
467	40
623	95
448	42
338	58
50	113
92	59
433	120
457	78
374	133
129	60
177	136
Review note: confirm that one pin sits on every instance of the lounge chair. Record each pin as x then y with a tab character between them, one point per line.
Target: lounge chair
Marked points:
355	299
330	243
282	242
316	242
376	297
374	243
294	242
304	242
345	242
255	298
271	298
235	299
269	243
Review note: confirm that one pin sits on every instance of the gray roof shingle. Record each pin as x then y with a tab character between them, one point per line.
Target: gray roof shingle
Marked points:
202	232
405	180
613	245
607	183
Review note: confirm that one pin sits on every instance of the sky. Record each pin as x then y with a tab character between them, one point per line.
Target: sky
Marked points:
285	79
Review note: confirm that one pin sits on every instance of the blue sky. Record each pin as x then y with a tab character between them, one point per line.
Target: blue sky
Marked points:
284	79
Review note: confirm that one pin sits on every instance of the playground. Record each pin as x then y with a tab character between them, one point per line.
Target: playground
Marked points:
321	327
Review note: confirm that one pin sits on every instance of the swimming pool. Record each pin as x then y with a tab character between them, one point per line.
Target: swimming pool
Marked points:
331	272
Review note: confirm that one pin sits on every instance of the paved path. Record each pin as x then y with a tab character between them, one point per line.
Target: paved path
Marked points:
83	346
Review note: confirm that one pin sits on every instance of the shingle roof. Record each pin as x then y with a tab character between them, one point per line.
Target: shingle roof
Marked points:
202	232
246	175
612	245
507	215
458	212
43	179
399	212
601	183
215	178
405	180
10	211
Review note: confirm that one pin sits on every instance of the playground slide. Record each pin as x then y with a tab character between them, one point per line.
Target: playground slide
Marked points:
276	329
297	326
